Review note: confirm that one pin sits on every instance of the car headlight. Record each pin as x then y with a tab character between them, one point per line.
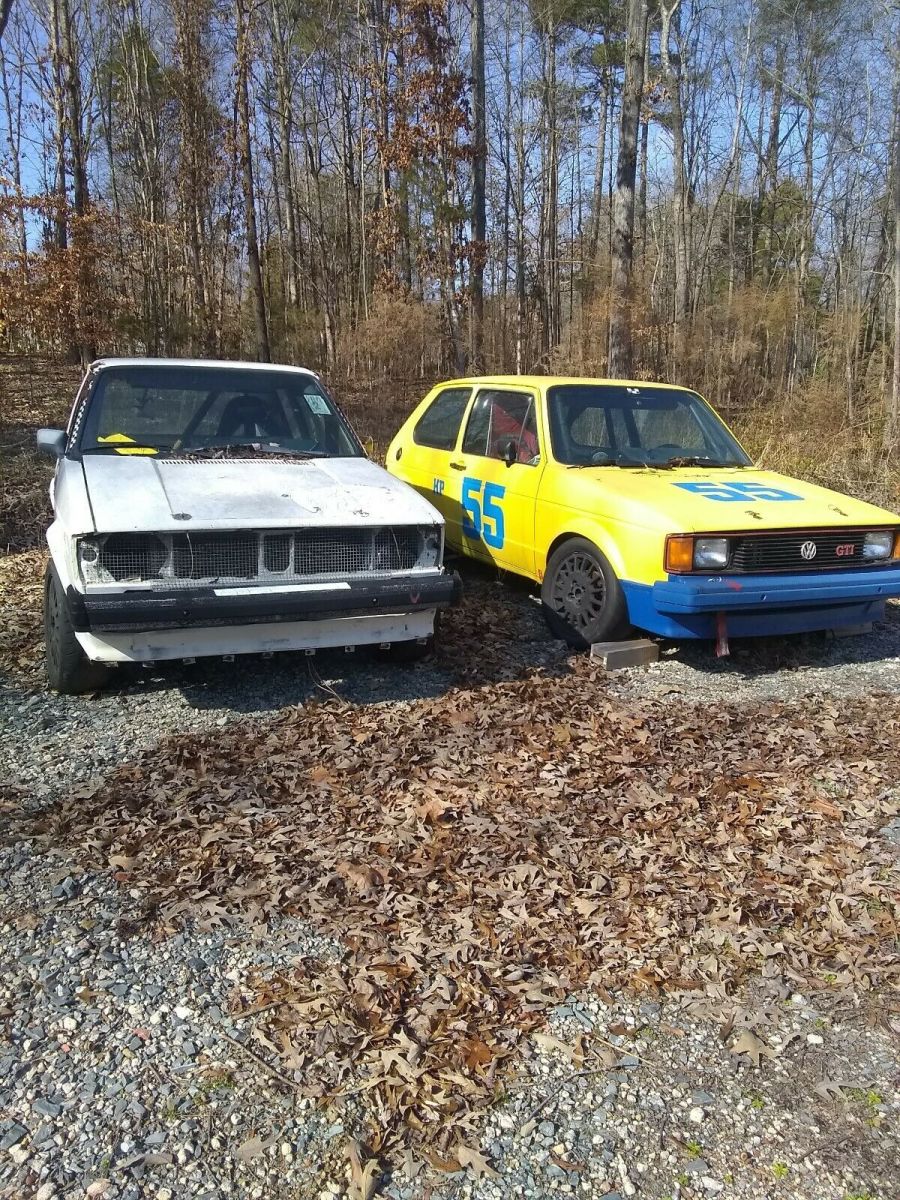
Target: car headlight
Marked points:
710	553
878	545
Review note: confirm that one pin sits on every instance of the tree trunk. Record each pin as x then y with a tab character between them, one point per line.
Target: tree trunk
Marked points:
620	334
550	289
5	10
244	149
479	171
599	159
521	295
285	117
672	71
772	148
14	140
892	424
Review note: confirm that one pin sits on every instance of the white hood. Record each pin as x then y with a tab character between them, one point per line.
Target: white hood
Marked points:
138	493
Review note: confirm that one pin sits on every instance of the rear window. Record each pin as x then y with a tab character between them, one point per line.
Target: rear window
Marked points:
438	426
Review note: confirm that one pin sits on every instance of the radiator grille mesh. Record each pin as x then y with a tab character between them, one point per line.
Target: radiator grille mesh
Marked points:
188	559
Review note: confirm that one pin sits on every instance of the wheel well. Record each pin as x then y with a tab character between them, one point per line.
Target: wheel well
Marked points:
558	541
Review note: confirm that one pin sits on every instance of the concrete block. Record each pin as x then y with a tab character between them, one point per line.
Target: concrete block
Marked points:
846	631
615	656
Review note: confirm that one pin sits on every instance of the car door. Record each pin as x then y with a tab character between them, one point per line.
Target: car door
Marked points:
425	455
500	465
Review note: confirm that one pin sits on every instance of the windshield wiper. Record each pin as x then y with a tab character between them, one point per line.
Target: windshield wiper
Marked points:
618	461
697	460
124	447
223	451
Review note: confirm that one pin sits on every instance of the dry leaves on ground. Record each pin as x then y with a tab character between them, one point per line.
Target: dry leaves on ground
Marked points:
21	612
482	854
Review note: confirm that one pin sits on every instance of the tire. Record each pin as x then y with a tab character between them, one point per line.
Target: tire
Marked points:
582	598
69	670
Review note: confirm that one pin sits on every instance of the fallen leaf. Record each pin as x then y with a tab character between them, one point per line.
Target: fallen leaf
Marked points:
755	1048
364	1175
476	1162
548	1042
252	1148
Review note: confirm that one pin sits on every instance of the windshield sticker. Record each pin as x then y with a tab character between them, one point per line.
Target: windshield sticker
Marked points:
741	492
318	404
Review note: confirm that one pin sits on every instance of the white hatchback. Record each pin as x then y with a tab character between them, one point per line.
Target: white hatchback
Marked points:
222	508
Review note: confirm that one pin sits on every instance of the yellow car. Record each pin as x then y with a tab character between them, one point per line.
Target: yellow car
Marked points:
633	504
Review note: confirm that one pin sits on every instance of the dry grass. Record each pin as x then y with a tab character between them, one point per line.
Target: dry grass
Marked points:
807	437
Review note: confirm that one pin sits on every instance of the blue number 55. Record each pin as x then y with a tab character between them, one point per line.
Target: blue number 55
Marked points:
483	518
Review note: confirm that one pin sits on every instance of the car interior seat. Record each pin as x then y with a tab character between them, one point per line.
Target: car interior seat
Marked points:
250	416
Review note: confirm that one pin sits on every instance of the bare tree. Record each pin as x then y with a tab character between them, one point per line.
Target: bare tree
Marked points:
479	172
892	424
5	10
669	10
620	332
245	156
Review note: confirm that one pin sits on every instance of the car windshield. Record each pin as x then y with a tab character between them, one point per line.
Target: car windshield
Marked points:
611	424
183	409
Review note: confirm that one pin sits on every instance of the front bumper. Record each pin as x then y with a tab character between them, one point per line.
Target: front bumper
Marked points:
210	606
759	605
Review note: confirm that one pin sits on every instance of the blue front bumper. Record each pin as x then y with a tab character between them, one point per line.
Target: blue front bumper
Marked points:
756	605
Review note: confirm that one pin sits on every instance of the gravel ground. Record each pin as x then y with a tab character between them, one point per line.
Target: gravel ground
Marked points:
128	1072
119	1072
123	1074
54	742
776	668
676	1112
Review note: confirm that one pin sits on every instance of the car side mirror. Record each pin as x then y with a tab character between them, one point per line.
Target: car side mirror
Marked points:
509	451
51	442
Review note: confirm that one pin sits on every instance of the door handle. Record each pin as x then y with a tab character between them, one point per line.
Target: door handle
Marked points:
458	466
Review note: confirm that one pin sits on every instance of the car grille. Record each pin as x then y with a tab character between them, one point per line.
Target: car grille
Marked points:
185	559
790	551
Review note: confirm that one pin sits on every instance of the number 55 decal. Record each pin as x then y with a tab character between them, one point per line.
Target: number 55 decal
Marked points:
483	522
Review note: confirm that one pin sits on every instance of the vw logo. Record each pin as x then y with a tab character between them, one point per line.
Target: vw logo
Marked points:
808	550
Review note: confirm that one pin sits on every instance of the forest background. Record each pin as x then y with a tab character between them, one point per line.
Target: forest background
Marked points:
393	191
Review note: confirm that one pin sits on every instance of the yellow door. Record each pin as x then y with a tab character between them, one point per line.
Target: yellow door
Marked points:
499	466
424	459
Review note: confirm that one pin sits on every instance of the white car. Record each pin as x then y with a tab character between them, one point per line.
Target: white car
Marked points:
222	508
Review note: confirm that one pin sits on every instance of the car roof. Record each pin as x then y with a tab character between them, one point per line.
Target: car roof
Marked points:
101	364
545	381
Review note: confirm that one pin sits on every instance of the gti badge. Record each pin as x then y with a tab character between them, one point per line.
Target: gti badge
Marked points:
808	550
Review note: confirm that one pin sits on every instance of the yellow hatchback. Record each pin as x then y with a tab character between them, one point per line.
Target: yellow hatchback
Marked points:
633	504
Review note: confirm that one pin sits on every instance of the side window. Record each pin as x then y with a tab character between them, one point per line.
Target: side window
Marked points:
439	424
499	418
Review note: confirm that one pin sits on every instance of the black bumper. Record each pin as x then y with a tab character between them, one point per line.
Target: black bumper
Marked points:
181	608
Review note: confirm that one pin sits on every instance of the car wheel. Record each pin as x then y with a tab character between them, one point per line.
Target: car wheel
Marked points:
583	600
69	670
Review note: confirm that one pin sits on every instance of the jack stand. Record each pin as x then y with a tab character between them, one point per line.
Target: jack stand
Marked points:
723	650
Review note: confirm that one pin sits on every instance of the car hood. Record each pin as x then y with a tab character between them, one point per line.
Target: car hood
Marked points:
132	493
694	500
